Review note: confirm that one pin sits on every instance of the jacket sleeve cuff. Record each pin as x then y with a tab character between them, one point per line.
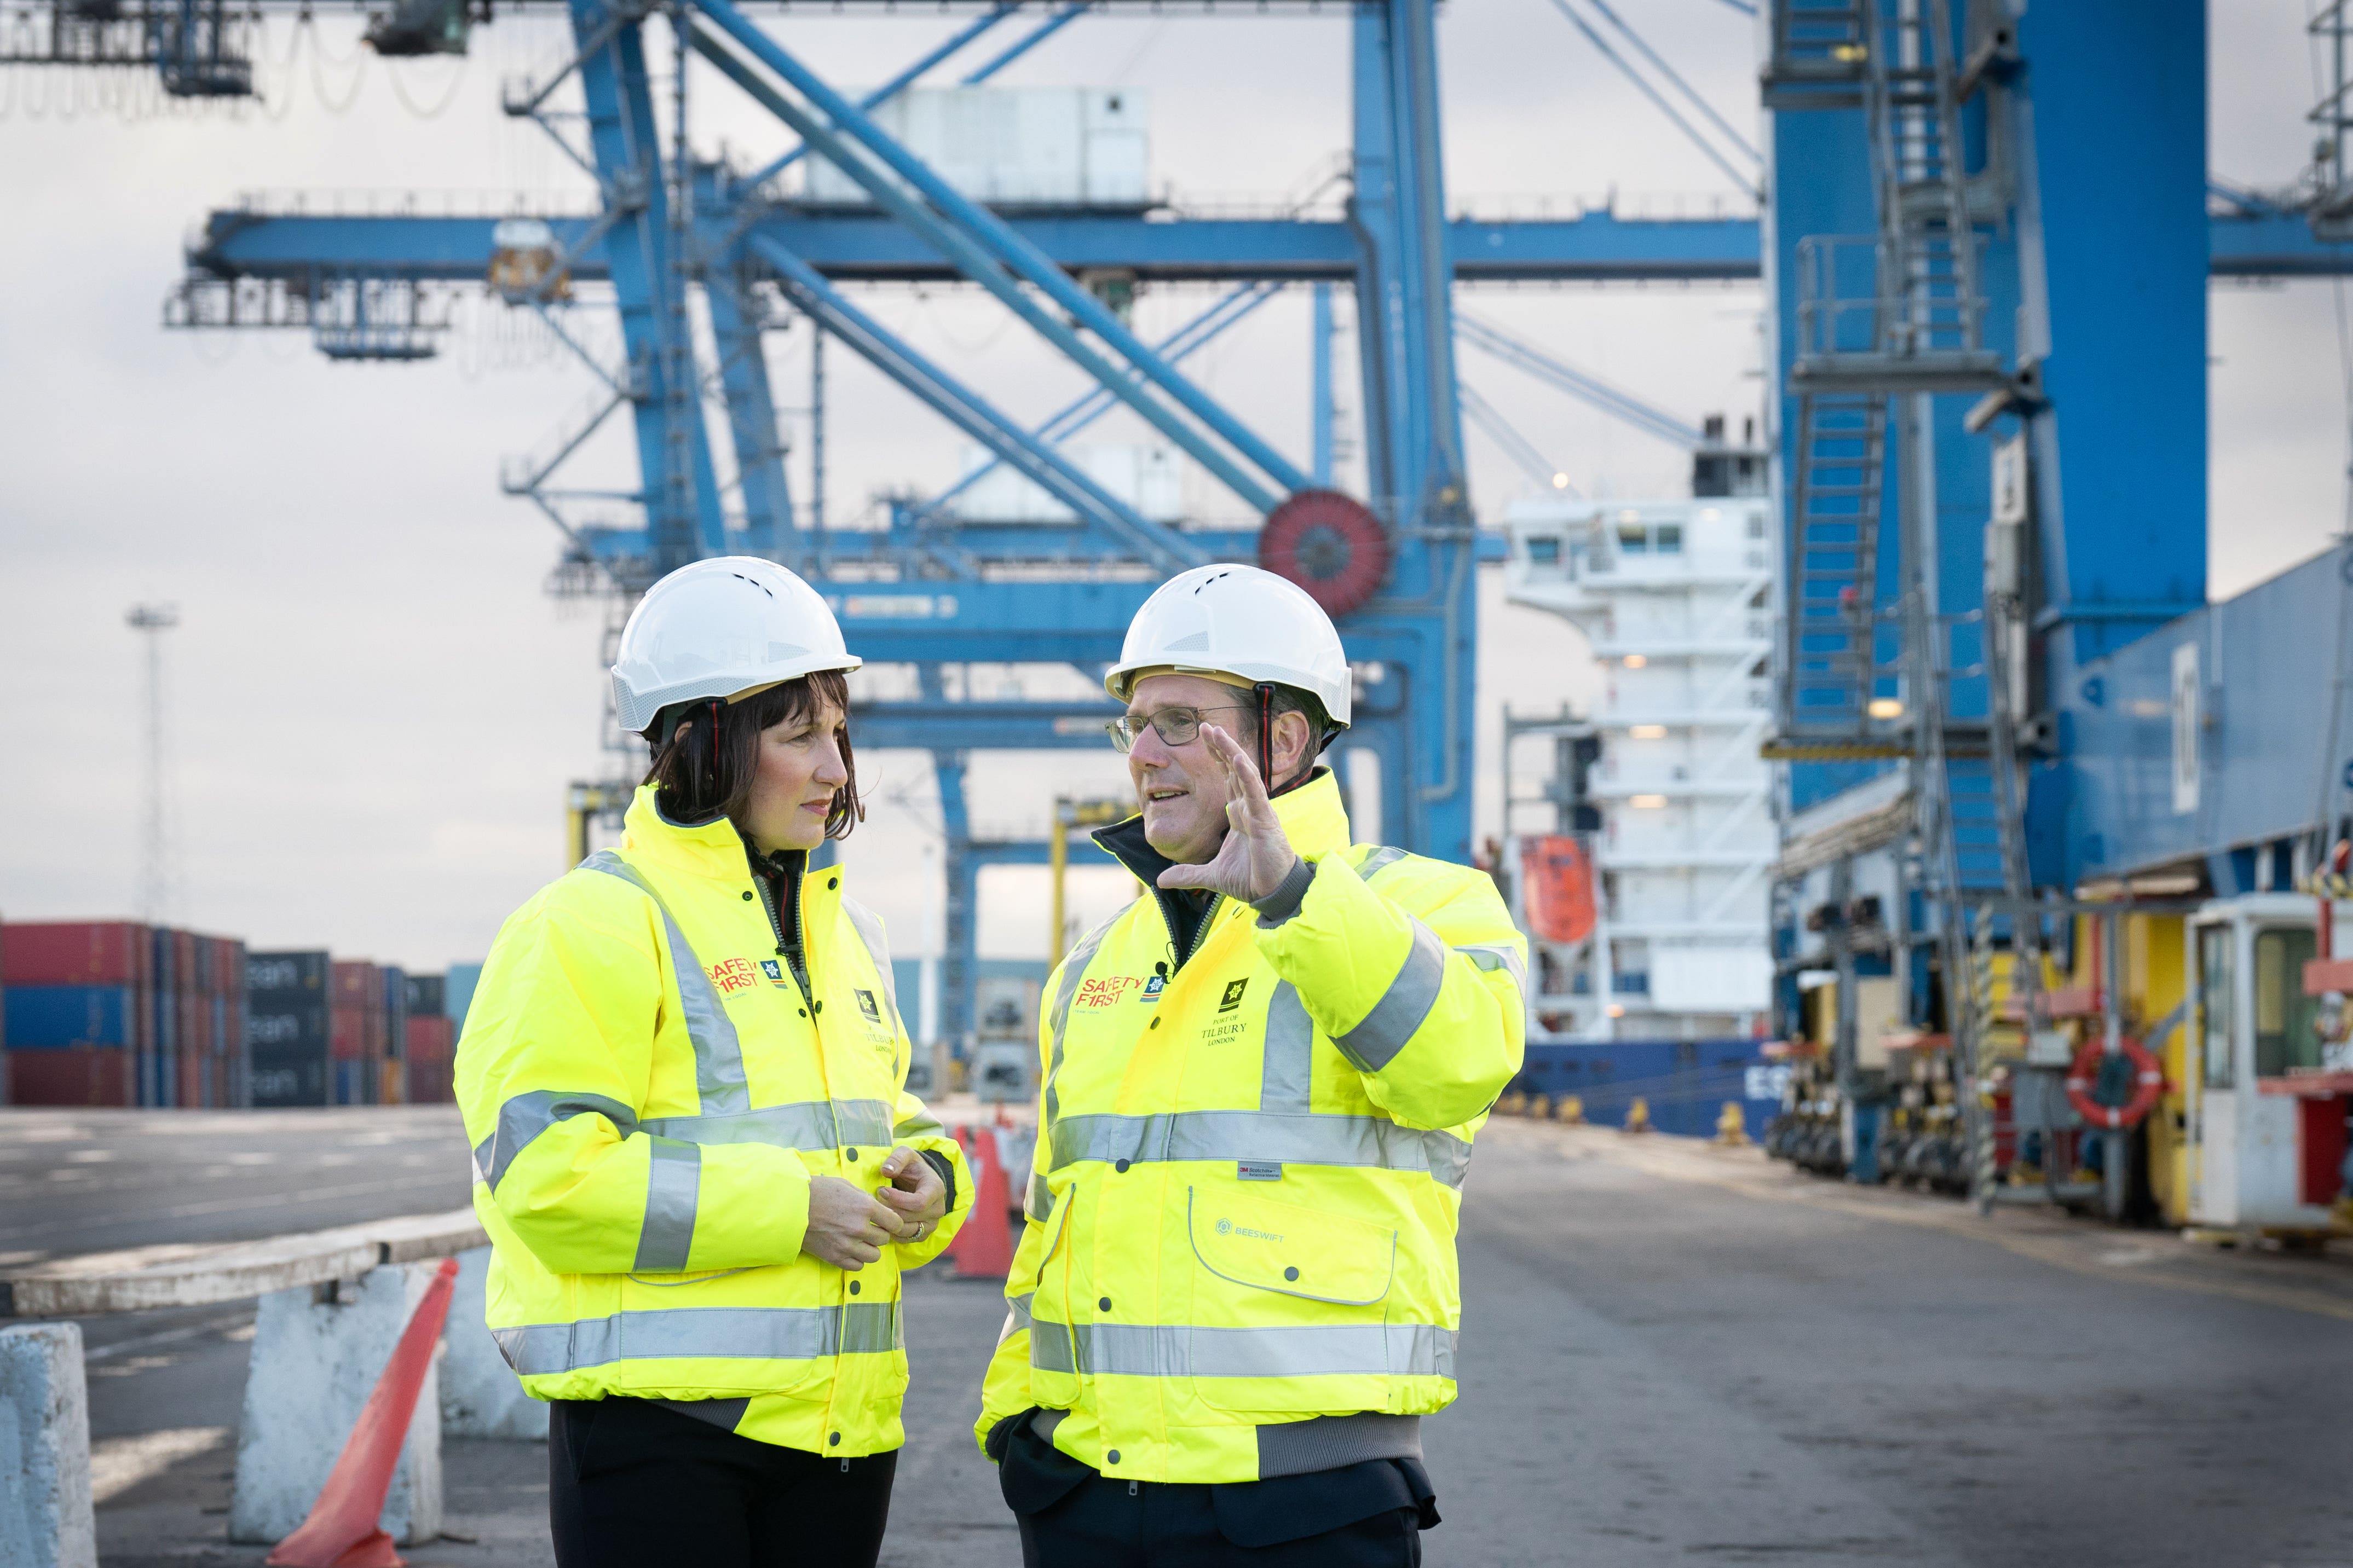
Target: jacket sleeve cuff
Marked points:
945	1167
1284	902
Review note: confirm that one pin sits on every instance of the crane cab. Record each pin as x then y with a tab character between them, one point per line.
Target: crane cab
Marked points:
2265	1121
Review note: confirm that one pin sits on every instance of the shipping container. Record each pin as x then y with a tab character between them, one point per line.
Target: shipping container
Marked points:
281	1025
359	983
76	952
457	992
1037	147
277	1078
431	1040
393	1082
426	993
275	974
51	1018
79	1075
351	1083
350	1035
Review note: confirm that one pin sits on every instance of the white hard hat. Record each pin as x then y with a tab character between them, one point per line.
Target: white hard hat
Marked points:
716	629
1237	621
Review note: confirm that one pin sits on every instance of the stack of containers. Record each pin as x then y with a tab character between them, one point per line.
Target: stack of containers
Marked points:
79	1011
288	1028
210	1008
222	962
392	1084
158	1060
431	1040
359	1027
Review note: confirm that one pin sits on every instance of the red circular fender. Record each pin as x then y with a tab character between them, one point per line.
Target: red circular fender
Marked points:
1330	544
2148	1082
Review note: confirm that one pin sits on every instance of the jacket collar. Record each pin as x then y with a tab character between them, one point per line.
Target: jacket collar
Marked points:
1312	817
712	848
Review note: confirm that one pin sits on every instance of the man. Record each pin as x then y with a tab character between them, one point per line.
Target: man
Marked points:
1236	1294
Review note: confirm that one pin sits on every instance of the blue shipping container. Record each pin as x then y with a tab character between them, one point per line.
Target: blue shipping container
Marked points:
49	1017
458	991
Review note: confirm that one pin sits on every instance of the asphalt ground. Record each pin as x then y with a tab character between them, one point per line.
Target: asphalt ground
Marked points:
1670	1353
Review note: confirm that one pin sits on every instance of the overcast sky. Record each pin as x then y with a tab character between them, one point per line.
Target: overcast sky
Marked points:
376	706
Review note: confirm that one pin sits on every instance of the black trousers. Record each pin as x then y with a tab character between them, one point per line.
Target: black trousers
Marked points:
632	1483
1109	1523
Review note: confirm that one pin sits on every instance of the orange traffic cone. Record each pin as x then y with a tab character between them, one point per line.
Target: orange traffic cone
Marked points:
341	1532
983	1249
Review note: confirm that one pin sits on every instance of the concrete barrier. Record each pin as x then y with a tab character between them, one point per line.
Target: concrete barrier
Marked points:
45	1508
318	1350
480	1394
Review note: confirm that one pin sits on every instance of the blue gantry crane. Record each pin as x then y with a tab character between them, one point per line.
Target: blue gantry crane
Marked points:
1869	141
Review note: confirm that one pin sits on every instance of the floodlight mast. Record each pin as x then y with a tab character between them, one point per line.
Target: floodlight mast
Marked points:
155	878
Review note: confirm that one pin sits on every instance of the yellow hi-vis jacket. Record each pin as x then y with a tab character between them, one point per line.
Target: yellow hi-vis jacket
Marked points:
648	1093
1249	1165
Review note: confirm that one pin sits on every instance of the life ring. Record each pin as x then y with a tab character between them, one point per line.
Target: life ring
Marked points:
2083	1077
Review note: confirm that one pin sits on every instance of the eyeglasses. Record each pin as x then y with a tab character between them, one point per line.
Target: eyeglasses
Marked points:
1174	726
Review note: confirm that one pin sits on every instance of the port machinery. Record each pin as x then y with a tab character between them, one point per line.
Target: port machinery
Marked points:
932	592
937	595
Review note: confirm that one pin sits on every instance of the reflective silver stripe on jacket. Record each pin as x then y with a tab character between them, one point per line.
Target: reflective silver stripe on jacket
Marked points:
808	1125
1020	1306
1040	1205
923	1126
1289	1071
812	1125
1074	969
525	1116
1234	1135
718	1054
1382	1033
1174	1350
1492	956
728	1333
869	926
673	1184
1381	859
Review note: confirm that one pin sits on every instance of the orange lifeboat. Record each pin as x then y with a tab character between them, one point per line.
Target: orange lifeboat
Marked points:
1556	883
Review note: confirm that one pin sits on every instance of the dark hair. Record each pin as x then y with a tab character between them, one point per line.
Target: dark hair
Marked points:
708	770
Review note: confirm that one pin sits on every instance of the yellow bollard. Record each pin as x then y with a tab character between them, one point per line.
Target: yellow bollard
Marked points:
1571	1110
1540	1107
1638	1116
1513	1104
1730	1127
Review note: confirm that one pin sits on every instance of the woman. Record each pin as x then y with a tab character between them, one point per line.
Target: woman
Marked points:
684	1079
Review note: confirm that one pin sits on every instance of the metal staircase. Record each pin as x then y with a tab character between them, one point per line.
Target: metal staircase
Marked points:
1885	322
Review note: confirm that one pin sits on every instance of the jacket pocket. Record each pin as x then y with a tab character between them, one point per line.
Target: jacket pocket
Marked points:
1289	1306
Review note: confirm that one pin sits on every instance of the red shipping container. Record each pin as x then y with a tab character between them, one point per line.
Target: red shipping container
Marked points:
75	952
190	1082
431	1039
82	1076
359	983
347	1035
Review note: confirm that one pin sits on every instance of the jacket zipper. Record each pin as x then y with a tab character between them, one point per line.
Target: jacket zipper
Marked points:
1201	929
776	925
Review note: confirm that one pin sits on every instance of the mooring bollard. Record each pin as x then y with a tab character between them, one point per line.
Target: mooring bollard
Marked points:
318	1350
45	1509
480	1396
